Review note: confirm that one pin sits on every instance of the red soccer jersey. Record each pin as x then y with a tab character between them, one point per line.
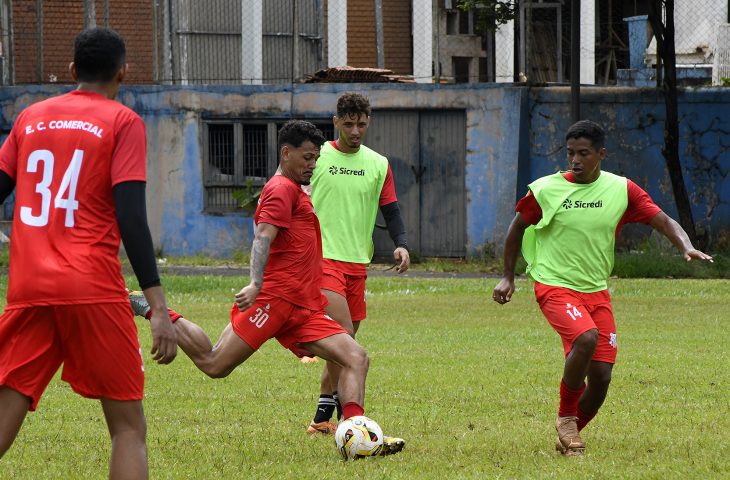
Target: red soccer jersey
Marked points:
65	154
641	208
294	269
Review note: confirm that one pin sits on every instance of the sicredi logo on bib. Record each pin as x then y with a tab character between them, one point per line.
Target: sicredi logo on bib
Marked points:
568	204
334	170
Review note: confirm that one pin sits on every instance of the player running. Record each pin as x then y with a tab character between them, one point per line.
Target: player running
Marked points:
576	217
283	300
349	184
77	163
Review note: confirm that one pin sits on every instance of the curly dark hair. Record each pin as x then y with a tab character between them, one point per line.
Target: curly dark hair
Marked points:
587	129
351	103
99	53
296	132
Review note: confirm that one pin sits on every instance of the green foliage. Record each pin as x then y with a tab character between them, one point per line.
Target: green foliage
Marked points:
725	81
490	14
248	197
471	385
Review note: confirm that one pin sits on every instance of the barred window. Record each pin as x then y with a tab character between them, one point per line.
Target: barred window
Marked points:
241	154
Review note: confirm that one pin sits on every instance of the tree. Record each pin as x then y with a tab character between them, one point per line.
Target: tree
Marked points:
661	18
489	14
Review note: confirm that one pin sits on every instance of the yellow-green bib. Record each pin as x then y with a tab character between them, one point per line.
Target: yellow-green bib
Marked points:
573	244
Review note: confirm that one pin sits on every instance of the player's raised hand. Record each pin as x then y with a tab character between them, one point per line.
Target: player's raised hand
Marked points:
247	296
403	258
503	291
694	254
164	338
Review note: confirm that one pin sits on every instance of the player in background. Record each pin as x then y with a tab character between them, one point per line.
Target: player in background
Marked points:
569	221
77	163
283	299
349	184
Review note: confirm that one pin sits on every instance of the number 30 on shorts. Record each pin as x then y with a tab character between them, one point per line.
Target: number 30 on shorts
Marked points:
261	316
68	186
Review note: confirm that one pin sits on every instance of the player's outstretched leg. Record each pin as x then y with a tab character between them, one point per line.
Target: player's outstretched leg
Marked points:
216	361
354	362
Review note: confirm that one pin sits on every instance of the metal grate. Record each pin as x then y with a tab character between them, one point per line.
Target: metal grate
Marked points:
255	152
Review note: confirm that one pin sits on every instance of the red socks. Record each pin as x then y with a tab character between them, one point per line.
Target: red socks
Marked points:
173	315
569	400
584	418
352	409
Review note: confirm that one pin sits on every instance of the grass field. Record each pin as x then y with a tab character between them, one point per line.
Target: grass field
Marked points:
471	386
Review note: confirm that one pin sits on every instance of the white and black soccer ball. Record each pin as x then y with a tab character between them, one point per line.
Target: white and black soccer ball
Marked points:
358	437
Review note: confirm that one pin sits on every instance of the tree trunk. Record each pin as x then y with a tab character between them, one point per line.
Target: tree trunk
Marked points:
664	33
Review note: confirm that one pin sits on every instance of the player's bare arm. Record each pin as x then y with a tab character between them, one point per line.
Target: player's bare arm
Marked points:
669	227
506	287
265	235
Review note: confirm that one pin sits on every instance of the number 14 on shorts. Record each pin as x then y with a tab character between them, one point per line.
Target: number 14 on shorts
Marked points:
573	312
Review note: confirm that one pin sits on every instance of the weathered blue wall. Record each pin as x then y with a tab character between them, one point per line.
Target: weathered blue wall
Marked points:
513	135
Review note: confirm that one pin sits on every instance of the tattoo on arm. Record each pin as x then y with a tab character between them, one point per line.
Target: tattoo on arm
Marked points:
259	257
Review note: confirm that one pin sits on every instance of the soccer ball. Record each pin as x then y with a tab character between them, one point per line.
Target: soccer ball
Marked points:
358	437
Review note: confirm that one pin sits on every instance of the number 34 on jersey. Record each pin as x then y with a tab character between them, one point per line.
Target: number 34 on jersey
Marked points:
43	161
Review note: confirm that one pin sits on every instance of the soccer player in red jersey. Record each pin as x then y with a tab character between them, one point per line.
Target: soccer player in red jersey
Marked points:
283	299
577	216
77	163
350	184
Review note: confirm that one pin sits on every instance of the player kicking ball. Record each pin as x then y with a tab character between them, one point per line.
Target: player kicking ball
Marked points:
567	225
283	300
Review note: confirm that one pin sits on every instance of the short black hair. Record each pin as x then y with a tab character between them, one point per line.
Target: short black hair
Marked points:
99	53
587	129
351	103
296	132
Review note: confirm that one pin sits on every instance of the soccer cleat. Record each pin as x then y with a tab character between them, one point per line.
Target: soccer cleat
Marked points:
391	445
139	303
569	442
568	452
321	428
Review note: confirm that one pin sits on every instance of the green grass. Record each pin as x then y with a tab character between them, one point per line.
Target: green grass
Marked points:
472	386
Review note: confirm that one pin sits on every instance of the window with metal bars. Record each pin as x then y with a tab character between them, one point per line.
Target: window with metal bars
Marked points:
241	155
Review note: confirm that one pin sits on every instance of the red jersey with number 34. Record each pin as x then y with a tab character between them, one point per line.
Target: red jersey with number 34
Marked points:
65	154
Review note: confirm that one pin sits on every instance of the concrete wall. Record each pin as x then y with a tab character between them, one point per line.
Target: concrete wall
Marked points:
513	135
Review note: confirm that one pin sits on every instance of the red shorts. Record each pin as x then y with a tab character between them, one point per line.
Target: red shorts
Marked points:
352	287
290	324
572	313
97	345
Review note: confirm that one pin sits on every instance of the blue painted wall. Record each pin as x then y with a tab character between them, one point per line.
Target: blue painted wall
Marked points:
513	135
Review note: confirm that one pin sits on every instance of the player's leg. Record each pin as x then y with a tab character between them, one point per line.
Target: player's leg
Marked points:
565	312
216	361
338	309
14	406
599	379
354	363
601	367
128	430
31	355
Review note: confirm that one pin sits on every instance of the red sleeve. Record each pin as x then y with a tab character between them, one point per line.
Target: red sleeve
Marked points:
129	159
641	208
277	206
9	155
387	194
529	209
